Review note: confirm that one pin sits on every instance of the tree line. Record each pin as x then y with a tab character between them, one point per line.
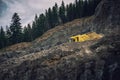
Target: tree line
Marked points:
52	17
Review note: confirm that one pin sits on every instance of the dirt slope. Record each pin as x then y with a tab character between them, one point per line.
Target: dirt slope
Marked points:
91	60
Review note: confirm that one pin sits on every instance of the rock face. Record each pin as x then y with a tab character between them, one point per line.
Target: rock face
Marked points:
63	60
108	11
107	16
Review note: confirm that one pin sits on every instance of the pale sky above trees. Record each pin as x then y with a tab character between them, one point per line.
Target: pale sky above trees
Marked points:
26	9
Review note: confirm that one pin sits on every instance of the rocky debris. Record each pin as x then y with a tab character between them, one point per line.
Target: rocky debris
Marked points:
68	61
16	47
57	51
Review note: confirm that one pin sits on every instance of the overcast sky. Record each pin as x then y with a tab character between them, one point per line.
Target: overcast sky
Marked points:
25	8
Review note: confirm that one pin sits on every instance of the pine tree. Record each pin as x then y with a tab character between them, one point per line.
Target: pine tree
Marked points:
55	15
79	8
34	27
42	24
73	11
62	13
2	38
30	37
8	35
47	27
85	8
16	29
50	18
27	34
34	30
70	12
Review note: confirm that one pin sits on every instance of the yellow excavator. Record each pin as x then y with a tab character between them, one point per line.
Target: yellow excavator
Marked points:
86	37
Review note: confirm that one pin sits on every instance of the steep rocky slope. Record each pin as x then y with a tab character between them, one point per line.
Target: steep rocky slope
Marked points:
53	57
90	60
107	17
